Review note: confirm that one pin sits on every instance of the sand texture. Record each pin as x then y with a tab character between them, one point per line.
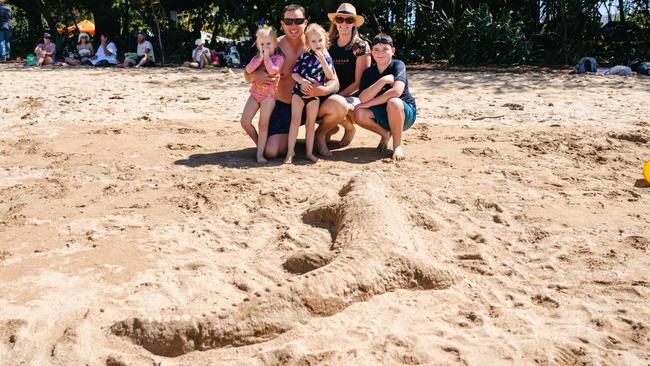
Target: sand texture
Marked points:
136	227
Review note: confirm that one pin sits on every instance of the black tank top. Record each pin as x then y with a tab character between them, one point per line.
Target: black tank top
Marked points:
345	61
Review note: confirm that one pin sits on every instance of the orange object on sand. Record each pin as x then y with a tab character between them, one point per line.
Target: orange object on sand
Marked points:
646	171
85	26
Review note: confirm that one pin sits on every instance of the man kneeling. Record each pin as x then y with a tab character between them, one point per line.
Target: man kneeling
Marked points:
387	107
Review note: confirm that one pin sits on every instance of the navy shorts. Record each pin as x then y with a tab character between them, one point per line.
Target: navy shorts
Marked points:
280	119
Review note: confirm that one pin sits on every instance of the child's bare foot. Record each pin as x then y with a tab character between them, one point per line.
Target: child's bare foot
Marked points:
312	157
383	143
261	160
289	159
398	153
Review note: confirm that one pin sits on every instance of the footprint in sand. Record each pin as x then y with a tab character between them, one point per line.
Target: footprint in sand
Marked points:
370	256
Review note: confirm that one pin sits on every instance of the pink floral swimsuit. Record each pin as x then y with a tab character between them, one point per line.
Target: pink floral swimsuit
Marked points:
272	65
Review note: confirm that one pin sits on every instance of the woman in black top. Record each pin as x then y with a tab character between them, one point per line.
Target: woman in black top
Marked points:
351	56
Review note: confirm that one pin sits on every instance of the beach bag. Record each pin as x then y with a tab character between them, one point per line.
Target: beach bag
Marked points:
619	71
587	64
30	60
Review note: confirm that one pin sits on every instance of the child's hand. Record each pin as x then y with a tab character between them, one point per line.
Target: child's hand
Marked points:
319	55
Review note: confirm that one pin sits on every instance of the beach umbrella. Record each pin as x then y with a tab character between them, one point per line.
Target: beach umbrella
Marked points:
85	26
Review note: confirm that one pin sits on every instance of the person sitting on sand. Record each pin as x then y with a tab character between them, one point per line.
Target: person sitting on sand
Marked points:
45	51
144	49
387	107
83	52
200	56
106	53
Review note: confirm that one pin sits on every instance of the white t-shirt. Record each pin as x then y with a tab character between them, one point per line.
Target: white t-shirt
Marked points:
143	46
112	59
205	51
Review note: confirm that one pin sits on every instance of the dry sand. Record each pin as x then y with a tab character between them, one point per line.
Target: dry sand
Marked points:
135	225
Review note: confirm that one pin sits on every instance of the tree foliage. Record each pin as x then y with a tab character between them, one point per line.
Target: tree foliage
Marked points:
460	31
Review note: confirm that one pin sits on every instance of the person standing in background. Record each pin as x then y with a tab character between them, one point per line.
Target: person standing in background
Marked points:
5	31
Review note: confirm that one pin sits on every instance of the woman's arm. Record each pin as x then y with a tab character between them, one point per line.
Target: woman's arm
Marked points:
363	62
107	50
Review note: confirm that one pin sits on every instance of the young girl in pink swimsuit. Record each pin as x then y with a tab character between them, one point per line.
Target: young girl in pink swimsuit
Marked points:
262	95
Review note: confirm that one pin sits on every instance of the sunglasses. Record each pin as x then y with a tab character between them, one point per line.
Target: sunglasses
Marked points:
341	20
296	21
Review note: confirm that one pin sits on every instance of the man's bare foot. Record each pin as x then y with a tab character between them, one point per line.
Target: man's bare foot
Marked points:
383	143
321	147
398	153
312	157
331	133
261	160
347	137
289	159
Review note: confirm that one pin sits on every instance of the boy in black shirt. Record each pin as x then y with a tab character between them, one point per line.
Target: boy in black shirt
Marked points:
387	107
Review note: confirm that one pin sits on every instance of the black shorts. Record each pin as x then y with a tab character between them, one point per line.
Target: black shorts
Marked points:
146	64
280	119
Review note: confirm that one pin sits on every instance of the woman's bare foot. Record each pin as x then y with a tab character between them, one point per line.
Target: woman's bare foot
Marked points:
398	153
261	160
312	157
289	159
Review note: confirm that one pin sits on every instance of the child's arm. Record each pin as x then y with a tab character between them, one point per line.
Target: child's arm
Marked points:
253	64
394	92
327	69
273	67
373	90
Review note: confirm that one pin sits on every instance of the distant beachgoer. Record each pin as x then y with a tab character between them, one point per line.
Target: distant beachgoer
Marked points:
5	31
262	95
45	51
200	56
83	52
387	107
146	57
106	53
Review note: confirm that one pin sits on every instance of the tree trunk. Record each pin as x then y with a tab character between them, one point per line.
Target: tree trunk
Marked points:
564	32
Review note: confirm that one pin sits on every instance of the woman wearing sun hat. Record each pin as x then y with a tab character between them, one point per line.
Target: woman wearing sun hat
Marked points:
45	51
351	56
85	50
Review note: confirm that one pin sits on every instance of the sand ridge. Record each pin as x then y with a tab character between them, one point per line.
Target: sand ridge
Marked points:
117	204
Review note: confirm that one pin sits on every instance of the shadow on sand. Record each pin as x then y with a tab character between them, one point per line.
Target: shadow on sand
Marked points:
245	158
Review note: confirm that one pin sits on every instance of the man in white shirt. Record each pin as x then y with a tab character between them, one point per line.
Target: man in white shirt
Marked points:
200	56
106	54
146	57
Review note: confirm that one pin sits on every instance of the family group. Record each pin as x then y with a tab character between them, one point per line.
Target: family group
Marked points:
336	77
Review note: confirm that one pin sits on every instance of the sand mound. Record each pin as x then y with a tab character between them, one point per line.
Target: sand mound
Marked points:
373	253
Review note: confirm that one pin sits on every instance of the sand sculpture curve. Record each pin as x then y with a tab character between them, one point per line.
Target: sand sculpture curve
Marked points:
372	253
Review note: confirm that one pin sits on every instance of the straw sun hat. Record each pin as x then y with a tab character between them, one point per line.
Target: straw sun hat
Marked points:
83	35
347	10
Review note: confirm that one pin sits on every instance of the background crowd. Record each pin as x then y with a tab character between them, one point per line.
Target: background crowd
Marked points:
548	32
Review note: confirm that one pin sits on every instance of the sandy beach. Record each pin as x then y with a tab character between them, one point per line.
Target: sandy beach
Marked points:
137	229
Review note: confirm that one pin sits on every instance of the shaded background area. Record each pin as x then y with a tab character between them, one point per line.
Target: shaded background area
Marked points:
501	32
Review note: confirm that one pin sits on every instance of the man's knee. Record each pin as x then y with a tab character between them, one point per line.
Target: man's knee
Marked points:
361	115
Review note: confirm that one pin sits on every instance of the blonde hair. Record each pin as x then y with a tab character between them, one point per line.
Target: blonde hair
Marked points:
268	31
313	27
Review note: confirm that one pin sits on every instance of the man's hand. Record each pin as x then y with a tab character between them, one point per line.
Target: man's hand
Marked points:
315	89
361	106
